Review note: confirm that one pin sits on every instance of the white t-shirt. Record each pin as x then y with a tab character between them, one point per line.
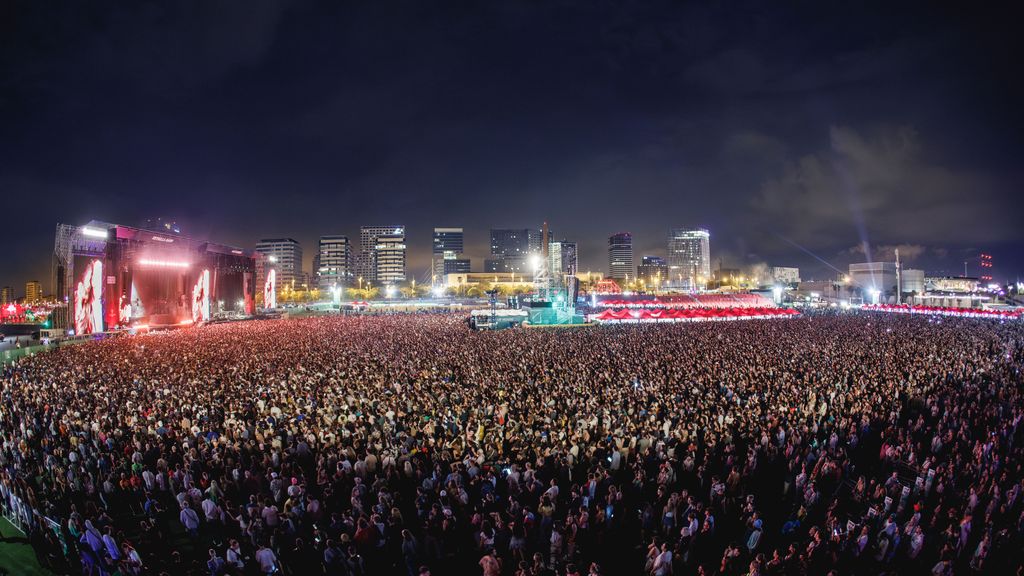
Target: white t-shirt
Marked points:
267	560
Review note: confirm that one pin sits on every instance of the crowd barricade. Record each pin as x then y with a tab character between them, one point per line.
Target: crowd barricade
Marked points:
17	512
25	518
690	314
945	311
729	301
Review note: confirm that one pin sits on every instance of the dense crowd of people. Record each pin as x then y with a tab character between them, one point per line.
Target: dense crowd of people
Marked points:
410	445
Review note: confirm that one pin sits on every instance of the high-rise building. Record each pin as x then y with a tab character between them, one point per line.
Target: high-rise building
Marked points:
563	259
455	266
6	295
511	249
33	292
366	263
332	266
620	256
364	268
689	257
652	270
535	240
513	243
449	244
389	258
285	256
509	264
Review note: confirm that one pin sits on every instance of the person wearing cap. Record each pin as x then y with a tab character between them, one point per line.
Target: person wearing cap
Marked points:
755	536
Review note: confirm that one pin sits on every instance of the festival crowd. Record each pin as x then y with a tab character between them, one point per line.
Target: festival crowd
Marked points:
411	445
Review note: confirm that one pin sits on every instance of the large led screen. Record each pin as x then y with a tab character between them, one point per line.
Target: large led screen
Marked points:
270	290
89	296
201	298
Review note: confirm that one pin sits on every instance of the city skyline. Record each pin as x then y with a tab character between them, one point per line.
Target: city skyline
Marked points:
307	274
872	129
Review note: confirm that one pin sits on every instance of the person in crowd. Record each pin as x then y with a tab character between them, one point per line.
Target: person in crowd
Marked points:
395	445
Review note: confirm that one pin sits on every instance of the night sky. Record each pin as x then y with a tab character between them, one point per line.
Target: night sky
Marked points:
773	124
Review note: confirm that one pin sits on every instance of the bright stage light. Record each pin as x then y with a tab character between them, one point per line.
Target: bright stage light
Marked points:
875	293
163	263
94	232
438	291
389	291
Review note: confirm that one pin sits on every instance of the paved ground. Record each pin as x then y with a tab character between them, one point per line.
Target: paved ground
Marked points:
16	556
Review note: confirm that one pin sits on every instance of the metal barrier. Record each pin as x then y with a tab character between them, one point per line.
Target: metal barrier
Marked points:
8	356
23	518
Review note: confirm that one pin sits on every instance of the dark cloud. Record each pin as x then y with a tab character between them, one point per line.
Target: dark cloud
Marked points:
887	252
316	117
886	189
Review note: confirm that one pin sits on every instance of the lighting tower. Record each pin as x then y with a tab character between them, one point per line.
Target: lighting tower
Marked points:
986	269
541	267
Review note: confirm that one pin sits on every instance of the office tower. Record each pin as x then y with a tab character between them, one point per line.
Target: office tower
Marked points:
33	292
563	260
6	295
511	249
455	266
389	258
364	271
512	242
366	263
285	256
689	257
620	256
449	244
534	240
652	270
333	262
